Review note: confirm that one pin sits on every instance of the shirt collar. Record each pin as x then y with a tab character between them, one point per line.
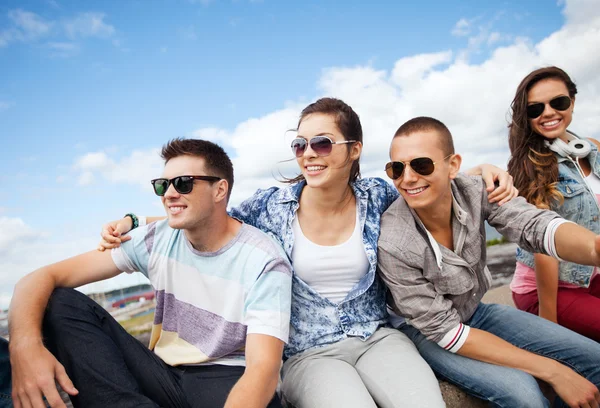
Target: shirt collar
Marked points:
292	192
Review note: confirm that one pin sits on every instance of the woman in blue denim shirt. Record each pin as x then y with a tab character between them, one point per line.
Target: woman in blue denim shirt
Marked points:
553	168
340	352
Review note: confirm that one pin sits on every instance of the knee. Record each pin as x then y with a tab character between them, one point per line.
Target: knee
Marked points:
64	303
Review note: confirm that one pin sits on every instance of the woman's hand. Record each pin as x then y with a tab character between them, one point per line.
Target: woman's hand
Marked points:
113	233
499	184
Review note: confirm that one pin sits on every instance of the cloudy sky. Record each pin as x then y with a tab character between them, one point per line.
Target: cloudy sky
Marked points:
89	91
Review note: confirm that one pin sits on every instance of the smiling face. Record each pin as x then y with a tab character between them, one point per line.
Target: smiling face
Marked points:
424	192
551	123
324	171
189	211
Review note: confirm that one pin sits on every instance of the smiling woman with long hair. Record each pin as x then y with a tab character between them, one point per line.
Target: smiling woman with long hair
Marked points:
555	169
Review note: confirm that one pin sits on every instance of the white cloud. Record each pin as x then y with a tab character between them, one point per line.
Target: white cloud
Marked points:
63	49
24	249
86	178
462	28
88	25
13	233
30	25
137	168
26	26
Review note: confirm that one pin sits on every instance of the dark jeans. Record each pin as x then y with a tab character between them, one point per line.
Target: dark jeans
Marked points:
5	383
110	368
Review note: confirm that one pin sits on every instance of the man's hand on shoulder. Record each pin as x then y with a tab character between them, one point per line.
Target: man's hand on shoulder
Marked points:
34	372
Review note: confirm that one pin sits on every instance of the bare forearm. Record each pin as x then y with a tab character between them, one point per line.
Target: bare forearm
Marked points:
27	307
575	244
484	346
253	390
546	276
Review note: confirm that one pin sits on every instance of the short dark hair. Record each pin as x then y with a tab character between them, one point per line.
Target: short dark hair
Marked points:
425	124
216	161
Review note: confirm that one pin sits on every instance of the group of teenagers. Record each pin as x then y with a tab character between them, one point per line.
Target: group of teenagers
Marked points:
339	290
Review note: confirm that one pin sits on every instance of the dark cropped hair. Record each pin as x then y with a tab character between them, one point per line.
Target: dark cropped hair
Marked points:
347	122
426	124
533	166
216	161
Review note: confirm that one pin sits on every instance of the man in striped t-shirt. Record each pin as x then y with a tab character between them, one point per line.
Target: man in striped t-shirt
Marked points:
223	293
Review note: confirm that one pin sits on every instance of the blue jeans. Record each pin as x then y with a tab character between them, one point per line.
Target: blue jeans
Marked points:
5	381
504	386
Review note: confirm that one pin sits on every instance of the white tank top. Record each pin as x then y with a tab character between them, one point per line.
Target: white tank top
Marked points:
594	183
332	271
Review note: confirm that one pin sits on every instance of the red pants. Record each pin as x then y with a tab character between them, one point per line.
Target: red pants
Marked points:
577	309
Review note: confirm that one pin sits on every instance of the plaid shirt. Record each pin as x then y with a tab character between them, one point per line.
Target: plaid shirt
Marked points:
437	293
315	320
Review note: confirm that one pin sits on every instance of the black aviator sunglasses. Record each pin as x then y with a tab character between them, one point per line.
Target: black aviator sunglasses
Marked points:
421	165
182	184
560	103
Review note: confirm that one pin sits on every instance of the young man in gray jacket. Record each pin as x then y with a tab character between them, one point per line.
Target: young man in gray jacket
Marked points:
432	256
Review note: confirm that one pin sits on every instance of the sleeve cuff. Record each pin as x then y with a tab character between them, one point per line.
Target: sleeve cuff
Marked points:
142	220
455	338
549	244
122	261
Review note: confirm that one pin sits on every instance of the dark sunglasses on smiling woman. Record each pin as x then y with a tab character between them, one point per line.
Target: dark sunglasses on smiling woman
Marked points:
321	145
182	184
421	165
560	103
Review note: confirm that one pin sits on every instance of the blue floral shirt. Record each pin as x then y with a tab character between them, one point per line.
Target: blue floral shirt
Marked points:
315	320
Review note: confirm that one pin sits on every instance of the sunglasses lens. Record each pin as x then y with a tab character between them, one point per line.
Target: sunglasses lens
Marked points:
160	186
321	145
183	185
561	103
394	170
298	146
535	110
422	165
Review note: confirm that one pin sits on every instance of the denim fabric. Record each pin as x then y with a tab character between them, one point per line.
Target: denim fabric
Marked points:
5	380
315	320
580	207
504	386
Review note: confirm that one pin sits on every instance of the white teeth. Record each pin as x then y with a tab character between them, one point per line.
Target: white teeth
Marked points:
314	168
552	123
416	190
176	209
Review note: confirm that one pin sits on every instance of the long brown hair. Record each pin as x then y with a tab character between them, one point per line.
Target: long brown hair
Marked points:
532	164
347	122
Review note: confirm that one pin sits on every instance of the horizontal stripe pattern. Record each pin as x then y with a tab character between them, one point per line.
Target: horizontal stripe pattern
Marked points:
455	338
206	303
209	332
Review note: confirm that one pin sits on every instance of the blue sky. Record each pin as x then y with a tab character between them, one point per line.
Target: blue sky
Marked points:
90	90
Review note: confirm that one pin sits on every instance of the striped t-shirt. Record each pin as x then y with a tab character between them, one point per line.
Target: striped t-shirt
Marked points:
206	302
